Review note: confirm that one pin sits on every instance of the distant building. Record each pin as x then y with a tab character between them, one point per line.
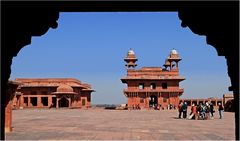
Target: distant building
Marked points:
52	92
153	86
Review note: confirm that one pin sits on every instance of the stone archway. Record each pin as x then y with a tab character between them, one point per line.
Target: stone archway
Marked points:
218	21
63	102
153	101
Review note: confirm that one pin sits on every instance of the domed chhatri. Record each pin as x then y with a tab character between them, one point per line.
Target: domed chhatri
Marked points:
174	51
64	88
130	59
173	58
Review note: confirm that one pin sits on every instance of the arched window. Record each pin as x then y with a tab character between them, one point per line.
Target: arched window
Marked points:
141	86
153	86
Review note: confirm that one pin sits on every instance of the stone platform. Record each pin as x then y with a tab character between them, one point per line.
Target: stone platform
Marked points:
98	124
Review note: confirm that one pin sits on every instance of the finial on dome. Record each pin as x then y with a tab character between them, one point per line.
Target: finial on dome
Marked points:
131	51
174	51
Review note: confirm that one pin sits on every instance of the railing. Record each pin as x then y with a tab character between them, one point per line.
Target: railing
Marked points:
153	90
153	77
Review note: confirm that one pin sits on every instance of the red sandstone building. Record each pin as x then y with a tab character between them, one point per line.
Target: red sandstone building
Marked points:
54	92
153	86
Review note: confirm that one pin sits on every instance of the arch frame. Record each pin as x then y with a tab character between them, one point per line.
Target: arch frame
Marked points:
222	31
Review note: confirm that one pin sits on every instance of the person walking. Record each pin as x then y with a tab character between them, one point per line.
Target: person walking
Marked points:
180	109
220	109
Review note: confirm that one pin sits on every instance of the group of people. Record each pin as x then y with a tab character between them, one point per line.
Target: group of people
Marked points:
202	111
154	107
136	107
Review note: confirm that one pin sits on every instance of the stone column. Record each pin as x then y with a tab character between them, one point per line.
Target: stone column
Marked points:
18	98
49	100
147	100
57	103
12	86
170	65
39	102
177	64
69	103
21	101
169	98
29	102
8	117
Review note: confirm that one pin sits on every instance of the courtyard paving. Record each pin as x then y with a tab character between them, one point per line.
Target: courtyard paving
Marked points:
99	124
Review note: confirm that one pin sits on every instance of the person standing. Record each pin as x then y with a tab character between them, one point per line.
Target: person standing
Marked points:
180	109
207	110
184	110
193	114
211	110
220	109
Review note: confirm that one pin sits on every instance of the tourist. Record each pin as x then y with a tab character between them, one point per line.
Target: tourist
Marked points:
193	114
51	106
207	110
133	107
160	106
211	110
198	110
202	112
220	109
184	110
180	110
138	107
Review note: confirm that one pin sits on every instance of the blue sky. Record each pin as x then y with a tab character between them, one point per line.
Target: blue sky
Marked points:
91	47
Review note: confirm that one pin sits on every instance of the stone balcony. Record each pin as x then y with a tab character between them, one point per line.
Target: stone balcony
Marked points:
153	90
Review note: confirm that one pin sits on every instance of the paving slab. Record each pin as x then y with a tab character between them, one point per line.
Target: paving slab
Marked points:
98	124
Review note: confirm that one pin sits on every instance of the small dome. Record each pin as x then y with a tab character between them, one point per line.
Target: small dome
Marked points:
131	52
174	51
64	88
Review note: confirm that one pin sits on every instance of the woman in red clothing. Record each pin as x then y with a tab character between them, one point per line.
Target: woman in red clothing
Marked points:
193	114
180	109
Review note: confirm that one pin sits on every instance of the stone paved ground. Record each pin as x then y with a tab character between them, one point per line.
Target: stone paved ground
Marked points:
68	124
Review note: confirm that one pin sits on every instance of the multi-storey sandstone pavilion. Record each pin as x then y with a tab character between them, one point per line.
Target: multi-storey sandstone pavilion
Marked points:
153	86
54	92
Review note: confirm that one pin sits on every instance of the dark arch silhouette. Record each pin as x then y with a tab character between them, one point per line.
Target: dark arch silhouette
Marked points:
218	21
63	102
153	101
